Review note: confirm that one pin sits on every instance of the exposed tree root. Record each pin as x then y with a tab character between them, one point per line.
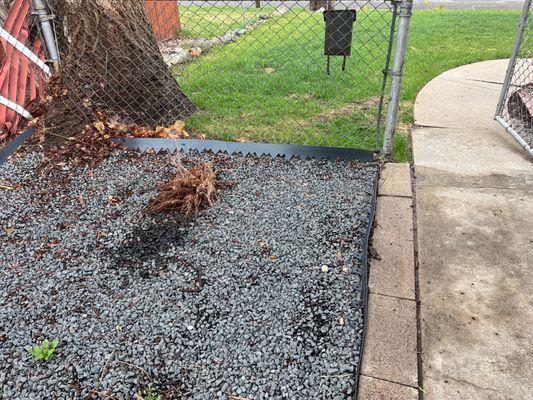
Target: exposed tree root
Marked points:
191	190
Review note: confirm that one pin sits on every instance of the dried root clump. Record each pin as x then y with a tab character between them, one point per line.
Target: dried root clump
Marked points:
191	190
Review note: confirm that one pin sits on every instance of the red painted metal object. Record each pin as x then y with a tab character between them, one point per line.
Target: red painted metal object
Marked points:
164	17
21	80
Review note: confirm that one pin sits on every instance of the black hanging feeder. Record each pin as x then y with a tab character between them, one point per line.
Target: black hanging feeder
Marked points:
339	32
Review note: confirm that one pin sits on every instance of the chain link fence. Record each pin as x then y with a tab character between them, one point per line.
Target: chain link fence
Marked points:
515	108
301	72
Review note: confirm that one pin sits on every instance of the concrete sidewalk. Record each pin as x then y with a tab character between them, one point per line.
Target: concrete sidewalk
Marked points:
474	204
390	370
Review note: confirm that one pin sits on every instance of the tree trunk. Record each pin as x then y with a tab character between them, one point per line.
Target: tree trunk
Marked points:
315	5
111	62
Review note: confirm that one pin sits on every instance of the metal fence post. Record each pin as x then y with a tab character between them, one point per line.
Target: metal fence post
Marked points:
517	81
386	73
512	62
41	11
404	16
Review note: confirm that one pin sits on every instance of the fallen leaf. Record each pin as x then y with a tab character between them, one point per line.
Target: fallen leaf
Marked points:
162	132
179	125
9	231
182	135
269	70
113	200
59	252
100	127
142	131
115	123
195	51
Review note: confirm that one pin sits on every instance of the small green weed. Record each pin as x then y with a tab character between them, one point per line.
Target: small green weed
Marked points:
45	350
147	394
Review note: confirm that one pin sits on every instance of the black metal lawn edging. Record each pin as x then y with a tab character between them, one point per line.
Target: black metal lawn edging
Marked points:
10	147
364	280
248	148
217	146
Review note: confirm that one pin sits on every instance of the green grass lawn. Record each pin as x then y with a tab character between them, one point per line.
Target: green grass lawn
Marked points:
271	85
207	22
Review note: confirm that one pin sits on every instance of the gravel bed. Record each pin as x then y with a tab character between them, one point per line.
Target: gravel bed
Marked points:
257	298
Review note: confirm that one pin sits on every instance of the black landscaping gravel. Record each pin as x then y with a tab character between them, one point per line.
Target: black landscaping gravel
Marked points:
256	298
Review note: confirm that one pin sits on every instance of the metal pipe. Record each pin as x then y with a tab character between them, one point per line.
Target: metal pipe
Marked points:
386	72
514	55
243	13
404	20
514	134
41	11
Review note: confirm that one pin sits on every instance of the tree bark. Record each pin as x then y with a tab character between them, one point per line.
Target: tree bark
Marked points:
315	5
111	62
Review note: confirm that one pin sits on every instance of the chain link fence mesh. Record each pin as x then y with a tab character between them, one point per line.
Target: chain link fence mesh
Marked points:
515	109
252	70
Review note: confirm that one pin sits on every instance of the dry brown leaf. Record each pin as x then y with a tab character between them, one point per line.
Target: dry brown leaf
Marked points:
142	131
195	51
162	132
113	200
177	136
117	125
100	127
179	125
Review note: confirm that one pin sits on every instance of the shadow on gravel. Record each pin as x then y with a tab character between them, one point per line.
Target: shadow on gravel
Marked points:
147	251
